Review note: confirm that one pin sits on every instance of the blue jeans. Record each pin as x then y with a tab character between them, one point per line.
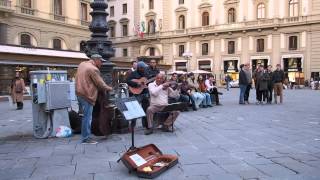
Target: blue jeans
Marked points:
197	98
207	99
242	92
228	85
87	109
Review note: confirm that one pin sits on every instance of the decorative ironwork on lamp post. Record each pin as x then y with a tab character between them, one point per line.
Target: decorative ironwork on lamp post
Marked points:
99	42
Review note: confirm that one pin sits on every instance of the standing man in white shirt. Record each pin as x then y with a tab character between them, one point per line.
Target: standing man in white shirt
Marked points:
159	92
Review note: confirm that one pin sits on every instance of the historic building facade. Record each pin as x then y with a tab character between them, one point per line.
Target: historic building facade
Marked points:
37	34
220	35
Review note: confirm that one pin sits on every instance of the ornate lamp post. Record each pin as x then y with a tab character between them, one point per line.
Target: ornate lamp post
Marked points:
99	43
187	56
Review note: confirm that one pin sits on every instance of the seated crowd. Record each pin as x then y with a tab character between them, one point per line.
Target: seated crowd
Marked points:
155	92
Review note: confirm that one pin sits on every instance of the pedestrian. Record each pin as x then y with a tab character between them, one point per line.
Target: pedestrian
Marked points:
270	84
228	79
247	70
258	78
17	90
254	77
263	86
88	83
243	83
277	79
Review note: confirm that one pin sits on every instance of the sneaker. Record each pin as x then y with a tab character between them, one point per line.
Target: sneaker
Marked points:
148	131
89	141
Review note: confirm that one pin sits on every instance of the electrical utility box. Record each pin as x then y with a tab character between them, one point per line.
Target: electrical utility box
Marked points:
50	92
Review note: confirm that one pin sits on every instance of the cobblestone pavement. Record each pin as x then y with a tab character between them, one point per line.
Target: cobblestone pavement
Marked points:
225	143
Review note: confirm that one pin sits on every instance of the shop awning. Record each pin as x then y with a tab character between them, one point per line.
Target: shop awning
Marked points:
35	64
41	52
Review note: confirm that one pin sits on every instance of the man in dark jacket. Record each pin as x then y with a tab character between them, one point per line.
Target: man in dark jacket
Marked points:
270	84
152	69
277	79
243	83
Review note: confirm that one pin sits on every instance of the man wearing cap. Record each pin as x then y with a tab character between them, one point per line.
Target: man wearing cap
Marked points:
143	97
88	83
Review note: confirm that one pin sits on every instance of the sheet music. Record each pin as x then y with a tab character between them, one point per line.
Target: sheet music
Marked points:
138	160
134	110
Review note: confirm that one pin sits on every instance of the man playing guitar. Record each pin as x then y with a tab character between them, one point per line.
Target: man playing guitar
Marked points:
143	95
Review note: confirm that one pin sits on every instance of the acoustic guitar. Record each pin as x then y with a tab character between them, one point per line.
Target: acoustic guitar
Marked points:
143	82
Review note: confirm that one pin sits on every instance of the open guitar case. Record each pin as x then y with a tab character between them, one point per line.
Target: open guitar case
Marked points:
153	162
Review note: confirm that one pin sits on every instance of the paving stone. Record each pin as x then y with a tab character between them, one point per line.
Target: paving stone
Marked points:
47	171
16	173
274	170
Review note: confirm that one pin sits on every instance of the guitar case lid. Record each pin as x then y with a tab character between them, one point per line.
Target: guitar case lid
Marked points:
148	157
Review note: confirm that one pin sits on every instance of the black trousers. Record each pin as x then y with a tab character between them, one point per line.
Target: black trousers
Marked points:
19	105
214	95
247	93
264	94
270	90
143	99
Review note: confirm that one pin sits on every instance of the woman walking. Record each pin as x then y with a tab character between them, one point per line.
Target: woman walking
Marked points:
17	90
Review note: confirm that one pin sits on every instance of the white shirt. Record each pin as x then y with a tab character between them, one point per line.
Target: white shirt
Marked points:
159	96
209	85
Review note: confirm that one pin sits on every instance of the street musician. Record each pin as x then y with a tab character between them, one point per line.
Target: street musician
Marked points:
160	91
139	88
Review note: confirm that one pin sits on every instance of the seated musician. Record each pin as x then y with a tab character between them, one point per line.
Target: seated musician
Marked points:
159	92
142	97
212	89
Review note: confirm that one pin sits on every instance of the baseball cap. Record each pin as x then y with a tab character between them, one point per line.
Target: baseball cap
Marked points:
98	56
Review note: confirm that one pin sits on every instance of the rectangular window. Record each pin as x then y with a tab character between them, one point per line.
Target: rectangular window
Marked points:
26	3
293	43
112	31
181	1
112	11
125	52
56	44
231	47
124	9
124	30
84	12
205	49
260	45
152	51
181	50
151	4
181	66
58	7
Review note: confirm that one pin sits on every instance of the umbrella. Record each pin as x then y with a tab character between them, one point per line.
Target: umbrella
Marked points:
200	72
178	72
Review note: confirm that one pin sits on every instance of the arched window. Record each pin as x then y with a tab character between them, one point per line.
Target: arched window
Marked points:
205	19
261	11
151	26
231	15
151	4
293	8
25	40
57	44
182	22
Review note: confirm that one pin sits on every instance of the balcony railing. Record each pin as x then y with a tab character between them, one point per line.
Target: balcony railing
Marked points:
58	17
240	26
5	3
26	10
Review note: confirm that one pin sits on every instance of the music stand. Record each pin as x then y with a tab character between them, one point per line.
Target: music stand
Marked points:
179	106
131	110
